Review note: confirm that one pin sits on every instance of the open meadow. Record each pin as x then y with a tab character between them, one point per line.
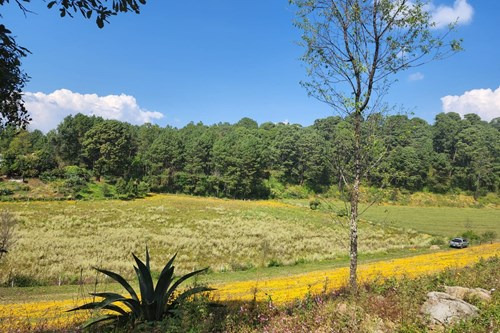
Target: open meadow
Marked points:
59	242
261	250
444	221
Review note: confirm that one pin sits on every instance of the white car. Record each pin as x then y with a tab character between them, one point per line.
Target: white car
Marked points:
459	243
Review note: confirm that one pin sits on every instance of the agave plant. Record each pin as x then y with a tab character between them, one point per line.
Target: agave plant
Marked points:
154	303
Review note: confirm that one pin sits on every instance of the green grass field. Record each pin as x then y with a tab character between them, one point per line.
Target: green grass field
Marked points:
438	221
445	221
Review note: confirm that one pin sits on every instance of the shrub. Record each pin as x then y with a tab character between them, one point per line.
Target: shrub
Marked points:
6	191
471	236
78	174
156	303
296	192
314	204
131	189
52	175
75	180
106	192
488	236
274	263
121	186
21	280
143	188
275	187
437	241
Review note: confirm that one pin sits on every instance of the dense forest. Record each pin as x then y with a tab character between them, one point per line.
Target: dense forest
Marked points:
245	160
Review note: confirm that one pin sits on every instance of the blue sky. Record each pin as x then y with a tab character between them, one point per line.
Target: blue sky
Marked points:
220	60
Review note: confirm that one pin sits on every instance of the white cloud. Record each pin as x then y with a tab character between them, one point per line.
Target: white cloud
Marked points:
416	76
47	110
461	12
484	102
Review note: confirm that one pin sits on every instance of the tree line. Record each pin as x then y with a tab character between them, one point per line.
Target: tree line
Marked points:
248	160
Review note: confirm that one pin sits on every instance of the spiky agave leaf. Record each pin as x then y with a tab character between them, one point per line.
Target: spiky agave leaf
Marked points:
188	293
147	259
145	281
148	302
182	279
99	306
118	278
164	281
109	298
107	304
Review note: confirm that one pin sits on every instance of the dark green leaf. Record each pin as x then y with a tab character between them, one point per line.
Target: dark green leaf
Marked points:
145	281
147	259
190	292
118	278
182	279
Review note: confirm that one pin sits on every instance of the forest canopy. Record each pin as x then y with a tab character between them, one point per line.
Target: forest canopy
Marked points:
248	160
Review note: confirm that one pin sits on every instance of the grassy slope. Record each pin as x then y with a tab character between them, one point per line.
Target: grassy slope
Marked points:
58	228
439	221
445	221
61	240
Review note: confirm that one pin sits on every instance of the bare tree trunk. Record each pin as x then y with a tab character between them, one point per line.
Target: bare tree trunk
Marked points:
353	251
478	183
354	236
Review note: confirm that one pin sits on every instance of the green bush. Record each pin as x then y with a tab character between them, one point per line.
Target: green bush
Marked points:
488	236
52	175
296	192
437	241
6	191
75	180
121	186
489	199
75	172
275	188
314	204
143	188
274	263
20	280
471	236
106	191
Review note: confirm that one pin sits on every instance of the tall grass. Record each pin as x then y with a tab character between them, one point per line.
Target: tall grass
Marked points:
60	241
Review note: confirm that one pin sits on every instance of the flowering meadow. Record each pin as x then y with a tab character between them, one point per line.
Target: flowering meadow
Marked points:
279	290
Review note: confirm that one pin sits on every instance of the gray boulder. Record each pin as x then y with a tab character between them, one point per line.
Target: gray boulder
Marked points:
463	293
444	309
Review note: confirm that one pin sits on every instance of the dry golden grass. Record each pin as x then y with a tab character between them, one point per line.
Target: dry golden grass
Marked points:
61	241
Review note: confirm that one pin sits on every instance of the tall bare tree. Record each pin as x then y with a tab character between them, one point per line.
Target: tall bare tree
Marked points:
353	50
